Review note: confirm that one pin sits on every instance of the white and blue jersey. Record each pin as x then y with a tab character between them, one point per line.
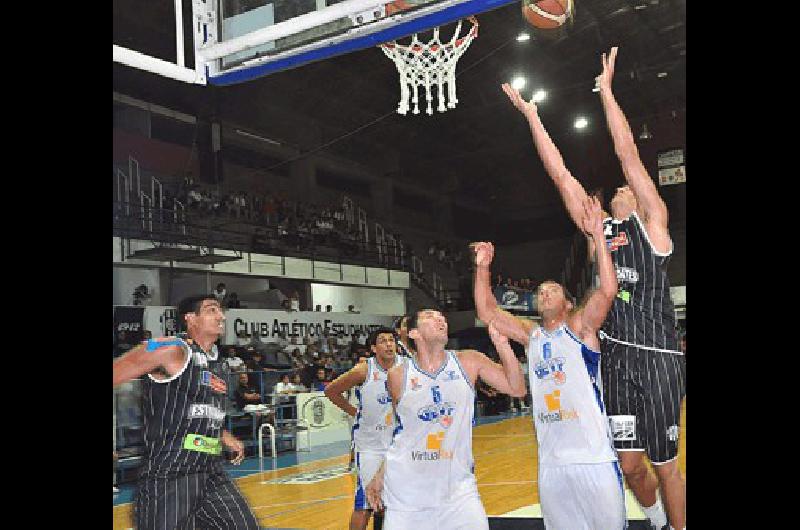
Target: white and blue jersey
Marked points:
580	484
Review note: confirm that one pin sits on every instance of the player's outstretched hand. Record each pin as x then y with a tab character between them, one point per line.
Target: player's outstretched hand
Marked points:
498	338
375	491
593	218
528	108
235	445
603	81
482	253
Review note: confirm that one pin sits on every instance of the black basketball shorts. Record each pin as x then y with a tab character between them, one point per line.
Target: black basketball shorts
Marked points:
191	502
642	391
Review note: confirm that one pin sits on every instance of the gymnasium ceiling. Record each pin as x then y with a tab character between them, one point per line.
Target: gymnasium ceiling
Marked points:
481	151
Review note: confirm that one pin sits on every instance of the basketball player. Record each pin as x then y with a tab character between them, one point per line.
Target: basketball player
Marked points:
401	330
645	372
580	483
427	479
182	483
374	419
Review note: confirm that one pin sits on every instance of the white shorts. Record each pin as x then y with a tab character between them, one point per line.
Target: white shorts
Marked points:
463	513
582	497
367	464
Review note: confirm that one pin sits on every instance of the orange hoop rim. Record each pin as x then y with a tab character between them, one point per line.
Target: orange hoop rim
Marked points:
471	34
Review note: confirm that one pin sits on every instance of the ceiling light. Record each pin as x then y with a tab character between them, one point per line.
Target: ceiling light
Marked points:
662	74
518	83
522	37
581	123
639	7
540	96
645	134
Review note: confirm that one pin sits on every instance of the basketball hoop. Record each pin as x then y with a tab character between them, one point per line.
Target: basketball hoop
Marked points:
426	64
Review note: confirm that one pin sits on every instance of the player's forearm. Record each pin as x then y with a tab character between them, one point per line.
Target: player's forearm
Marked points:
132	365
624	145
551	157
485	303
605	267
511	368
339	400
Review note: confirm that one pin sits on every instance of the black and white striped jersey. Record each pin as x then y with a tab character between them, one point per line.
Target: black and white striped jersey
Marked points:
191	402
643	313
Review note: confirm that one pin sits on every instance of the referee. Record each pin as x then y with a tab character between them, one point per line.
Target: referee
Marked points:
182	483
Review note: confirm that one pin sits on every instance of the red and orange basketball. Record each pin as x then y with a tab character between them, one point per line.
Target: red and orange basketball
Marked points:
546	14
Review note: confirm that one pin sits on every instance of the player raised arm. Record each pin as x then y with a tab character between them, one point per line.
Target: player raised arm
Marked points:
599	302
650	204
335	390
165	354
486	306
572	193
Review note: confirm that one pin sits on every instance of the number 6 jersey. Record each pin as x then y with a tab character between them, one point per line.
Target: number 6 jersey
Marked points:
430	459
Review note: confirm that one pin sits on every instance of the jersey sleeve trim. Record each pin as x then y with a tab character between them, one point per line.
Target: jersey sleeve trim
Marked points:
463	372
188	351
576	339
647	237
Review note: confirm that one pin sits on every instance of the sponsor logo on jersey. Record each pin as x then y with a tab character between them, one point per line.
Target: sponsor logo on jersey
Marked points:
672	433
452	376
200	358
555	412
217	384
204	410
626	274
415	383
623	428
433	444
551	369
624	295
440	413
615	242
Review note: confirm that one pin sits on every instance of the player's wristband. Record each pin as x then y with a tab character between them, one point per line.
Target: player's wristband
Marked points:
153	345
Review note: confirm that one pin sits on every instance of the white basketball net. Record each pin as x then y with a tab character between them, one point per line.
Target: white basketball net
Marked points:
426	64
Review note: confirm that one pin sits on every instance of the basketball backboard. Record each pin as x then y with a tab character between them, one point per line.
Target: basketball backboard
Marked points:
239	40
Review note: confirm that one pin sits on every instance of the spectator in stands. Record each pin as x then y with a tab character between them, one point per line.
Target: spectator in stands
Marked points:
683	343
123	343
147	335
233	301
297	384
141	295
246	393
294	301
219	293
234	362
328	308
322	380
284	386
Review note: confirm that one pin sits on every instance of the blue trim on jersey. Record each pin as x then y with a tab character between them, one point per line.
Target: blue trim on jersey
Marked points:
432	376
592	360
358	414
425	22
463	373
361	497
579	341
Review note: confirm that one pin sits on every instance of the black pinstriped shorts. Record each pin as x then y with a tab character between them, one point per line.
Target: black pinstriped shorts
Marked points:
642	391
191	502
